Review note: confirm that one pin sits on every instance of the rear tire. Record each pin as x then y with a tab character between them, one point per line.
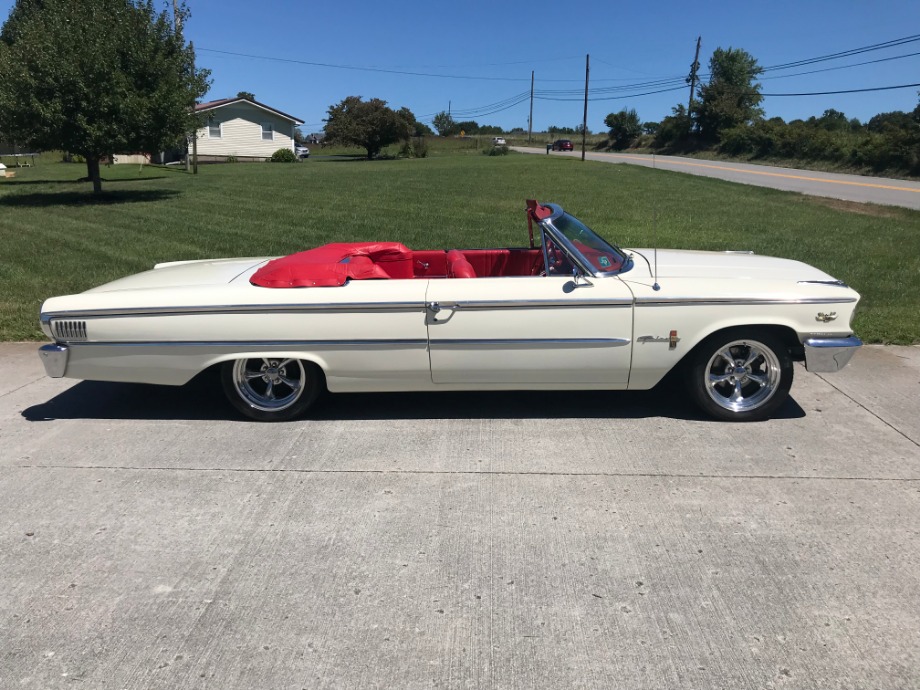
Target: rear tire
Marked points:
740	375
271	389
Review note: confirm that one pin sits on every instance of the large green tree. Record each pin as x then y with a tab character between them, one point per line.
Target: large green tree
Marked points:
625	128
731	97
97	77
369	124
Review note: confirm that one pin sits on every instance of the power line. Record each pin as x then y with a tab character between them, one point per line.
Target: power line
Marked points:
355	68
831	93
575	93
616	92
845	53
855	64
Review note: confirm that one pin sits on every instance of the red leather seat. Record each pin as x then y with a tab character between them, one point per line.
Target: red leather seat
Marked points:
458	266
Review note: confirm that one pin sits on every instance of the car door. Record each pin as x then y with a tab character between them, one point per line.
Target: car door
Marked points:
530	330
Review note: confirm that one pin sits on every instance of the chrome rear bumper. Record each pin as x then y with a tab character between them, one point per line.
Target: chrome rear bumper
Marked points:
827	355
54	357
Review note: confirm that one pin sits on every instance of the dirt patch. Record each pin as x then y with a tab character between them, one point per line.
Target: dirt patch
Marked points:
855	207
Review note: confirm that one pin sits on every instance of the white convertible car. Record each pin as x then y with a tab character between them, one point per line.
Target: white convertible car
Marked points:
570	311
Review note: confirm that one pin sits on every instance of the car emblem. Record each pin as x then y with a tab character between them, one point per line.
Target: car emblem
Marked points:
824	318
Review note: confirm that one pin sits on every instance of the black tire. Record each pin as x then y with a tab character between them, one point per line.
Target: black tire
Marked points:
271	389
740	375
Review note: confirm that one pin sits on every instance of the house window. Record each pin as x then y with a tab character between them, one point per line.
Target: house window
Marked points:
213	127
268	134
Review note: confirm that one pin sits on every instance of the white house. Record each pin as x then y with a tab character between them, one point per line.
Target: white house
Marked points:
244	129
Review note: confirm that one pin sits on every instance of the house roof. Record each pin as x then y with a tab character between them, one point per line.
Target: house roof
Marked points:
214	105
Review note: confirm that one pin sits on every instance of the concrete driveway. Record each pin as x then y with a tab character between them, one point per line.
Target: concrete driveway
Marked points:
150	539
864	189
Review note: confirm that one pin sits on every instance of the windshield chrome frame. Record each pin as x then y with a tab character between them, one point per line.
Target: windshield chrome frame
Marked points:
546	224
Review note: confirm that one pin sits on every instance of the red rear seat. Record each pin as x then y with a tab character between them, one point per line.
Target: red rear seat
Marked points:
458	266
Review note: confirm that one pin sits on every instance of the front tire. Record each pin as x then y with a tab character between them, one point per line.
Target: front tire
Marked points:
740	375
271	389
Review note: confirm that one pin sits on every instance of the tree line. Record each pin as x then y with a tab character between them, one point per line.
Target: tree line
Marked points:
725	116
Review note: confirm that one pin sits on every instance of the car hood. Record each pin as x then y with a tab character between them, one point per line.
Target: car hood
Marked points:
184	274
674	263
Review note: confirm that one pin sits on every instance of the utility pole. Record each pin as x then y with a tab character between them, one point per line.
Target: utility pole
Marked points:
584	120
694	68
530	119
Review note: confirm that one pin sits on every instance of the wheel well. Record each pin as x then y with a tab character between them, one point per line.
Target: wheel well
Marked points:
214	369
787	335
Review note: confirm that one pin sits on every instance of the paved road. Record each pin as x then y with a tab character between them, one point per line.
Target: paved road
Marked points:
877	190
148	539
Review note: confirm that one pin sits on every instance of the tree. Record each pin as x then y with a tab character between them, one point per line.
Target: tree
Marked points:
832	120
416	128
673	132
248	95
731	97
467	127
445	124
97	77
625	128
368	124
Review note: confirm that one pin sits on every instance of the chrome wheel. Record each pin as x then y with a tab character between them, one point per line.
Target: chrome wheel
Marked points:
742	375
272	389
739	378
269	385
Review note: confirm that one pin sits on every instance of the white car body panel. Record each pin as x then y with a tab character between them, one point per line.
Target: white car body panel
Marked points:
530	330
601	331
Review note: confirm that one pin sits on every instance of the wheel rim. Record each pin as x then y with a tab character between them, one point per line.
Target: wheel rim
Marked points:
269	385
742	375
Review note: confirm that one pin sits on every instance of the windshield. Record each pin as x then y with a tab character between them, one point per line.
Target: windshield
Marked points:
600	254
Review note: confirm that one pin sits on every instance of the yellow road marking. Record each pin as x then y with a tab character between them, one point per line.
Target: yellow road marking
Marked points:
768	174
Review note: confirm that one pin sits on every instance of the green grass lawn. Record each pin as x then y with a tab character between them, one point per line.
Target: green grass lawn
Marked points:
57	239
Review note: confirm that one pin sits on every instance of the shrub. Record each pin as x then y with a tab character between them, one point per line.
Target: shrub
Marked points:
497	151
284	156
417	150
232	159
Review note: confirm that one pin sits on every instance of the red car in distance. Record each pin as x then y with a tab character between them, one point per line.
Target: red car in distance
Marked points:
563	145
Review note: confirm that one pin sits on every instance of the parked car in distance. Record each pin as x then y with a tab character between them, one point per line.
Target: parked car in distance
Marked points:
563	145
301	151
570	311
499	141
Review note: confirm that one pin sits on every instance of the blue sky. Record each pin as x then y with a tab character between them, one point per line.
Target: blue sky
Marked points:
480	55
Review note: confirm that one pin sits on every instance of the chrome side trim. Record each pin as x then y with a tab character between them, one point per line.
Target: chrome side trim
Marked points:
733	301
827	355
419	342
537	342
54	357
535	304
329	307
833	283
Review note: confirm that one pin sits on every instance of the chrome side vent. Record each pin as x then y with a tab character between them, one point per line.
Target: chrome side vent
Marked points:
69	331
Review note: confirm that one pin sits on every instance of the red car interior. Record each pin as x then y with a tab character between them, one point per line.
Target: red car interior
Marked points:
335	264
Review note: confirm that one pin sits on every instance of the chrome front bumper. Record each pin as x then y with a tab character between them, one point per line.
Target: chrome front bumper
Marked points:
54	357
827	355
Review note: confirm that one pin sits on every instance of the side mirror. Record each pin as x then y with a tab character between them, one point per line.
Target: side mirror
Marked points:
579	279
